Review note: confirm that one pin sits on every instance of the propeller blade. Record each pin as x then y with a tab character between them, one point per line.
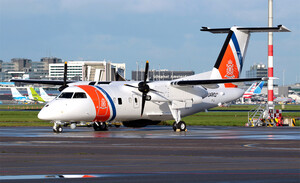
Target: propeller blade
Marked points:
154	90
130	86
65	74
146	71
65	78
143	102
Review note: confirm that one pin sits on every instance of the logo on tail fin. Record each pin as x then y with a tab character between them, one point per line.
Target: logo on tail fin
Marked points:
230	70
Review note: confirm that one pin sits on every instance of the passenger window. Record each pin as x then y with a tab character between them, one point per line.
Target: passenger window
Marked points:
135	100
66	95
79	95
119	101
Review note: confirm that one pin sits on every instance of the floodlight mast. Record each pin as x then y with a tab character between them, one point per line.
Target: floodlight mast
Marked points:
270	58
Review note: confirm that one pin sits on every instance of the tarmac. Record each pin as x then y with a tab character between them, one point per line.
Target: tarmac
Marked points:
150	154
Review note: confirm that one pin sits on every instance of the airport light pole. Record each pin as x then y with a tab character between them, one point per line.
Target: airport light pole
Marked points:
270	58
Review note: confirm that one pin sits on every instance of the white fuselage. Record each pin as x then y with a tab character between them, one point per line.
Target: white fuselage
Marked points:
117	102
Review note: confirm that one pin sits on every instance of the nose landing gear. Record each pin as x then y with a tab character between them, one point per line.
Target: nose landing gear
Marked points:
57	128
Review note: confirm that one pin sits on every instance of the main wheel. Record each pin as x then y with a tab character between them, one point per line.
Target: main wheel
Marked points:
100	126
174	126
181	126
57	129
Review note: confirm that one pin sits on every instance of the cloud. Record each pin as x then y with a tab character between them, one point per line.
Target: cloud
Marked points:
103	7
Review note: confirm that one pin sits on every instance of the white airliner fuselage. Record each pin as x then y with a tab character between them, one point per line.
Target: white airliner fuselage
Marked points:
117	102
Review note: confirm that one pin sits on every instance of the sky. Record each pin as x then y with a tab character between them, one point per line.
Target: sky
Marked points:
165	32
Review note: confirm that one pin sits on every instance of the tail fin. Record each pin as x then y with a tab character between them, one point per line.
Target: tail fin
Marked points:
230	61
259	88
15	93
35	95
29	94
43	93
249	92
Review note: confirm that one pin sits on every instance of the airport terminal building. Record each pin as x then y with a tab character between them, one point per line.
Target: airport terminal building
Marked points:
88	70
23	68
53	68
160	75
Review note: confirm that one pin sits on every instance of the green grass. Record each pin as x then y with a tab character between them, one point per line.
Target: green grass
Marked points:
216	119
250	107
224	118
23	106
29	118
17	116
21	118
10	124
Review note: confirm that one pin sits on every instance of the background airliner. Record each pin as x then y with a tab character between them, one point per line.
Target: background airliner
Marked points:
33	95
138	104
254	89
17	96
45	96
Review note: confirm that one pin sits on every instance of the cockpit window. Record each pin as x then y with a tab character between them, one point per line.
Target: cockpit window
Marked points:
66	95
79	95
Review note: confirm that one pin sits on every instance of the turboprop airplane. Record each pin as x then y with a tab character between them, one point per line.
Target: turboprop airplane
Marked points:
141	103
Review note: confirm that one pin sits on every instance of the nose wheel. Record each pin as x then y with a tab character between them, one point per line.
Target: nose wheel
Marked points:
57	129
180	126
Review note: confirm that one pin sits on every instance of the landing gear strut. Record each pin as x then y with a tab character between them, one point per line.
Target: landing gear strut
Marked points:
180	126
100	126
57	128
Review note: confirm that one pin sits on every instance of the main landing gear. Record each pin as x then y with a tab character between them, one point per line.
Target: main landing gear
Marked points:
179	127
100	126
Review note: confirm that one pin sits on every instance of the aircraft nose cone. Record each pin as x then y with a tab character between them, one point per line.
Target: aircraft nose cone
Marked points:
44	113
48	112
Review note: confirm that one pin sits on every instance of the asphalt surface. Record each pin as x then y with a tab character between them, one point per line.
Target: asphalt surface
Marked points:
151	154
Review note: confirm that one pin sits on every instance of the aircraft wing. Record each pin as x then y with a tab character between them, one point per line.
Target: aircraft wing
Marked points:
215	81
39	81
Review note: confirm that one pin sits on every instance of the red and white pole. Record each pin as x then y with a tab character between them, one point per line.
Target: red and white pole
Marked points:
270	57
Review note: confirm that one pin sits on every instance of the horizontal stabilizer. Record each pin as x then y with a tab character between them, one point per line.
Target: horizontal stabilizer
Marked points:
279	28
